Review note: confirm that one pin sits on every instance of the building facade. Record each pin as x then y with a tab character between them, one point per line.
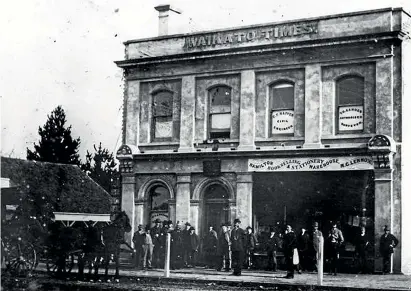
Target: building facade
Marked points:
281	123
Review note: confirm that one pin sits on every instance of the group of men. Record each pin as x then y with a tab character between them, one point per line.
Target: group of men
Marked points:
233	248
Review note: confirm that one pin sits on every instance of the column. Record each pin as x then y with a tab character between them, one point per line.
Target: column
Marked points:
127	202
194	214
187	113
313	116
247	111
131	114
383	211
183	198
384	96
244	198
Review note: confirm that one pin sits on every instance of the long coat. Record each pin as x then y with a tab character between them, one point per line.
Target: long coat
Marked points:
289	243
273	243
237	239
210	241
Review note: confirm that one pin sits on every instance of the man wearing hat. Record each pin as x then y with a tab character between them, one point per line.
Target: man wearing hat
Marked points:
387	244
237	247
224	249
177	247
316	234
210	247
157	241
193	247
186	242
250	244
138	240
273	245
335	240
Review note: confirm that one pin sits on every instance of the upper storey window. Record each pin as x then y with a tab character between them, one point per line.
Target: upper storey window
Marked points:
220	112
350	104
282	108
163	115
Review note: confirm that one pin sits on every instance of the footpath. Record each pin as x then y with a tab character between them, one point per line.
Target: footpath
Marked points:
271	280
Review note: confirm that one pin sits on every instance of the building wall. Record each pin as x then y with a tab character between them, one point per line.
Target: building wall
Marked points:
313	67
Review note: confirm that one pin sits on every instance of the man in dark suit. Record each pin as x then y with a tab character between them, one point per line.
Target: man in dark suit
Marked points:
273	245
387	244
237	247
156	235
289	244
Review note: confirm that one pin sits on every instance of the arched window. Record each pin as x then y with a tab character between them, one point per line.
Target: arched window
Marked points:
350	104
282	108
158	196
163	115
219	112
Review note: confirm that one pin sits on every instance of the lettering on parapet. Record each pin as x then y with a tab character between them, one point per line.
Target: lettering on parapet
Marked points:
258	35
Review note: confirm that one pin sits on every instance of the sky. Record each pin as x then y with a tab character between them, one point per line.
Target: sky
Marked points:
62	53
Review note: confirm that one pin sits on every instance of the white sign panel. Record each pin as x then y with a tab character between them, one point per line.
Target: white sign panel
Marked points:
164	129
350	118
311	164
282	121
160	215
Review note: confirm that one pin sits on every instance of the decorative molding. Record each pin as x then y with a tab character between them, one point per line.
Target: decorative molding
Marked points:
382	149
203	184
151	182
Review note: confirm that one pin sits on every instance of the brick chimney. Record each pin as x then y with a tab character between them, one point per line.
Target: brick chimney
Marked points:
163	17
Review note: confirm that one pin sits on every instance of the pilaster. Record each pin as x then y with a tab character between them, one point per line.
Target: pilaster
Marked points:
127	202
187	113
244	198
247	110
313	100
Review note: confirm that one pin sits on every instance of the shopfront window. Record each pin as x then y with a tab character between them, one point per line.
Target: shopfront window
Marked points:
163	115
220	112
350	104
282	108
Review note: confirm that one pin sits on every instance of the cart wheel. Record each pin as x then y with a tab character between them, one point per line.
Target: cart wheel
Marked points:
52	265
20	258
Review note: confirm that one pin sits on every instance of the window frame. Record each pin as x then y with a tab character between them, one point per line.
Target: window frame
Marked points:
155	117
210	113
337	103
150	199
271	109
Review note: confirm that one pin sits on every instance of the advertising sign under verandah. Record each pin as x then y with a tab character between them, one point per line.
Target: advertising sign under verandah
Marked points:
311	164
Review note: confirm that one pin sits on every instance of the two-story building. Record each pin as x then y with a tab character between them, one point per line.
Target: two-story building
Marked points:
287	122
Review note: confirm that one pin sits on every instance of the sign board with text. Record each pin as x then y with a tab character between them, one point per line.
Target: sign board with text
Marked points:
350	118
282	121
311	164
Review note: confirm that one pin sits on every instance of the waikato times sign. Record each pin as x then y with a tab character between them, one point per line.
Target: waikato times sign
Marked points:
311	164
264	35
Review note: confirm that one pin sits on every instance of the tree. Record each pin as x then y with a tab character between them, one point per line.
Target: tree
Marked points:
56	144
101	167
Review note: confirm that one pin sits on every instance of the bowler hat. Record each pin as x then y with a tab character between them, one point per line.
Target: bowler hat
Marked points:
386	228
188	223
237	220
140	226
249	227
192	228
315	224
157	220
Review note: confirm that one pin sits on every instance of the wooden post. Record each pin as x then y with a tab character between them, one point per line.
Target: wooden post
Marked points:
320	261
167	256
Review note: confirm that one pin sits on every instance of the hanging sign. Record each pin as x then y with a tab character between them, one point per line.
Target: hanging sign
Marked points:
311	164
282	121
350	118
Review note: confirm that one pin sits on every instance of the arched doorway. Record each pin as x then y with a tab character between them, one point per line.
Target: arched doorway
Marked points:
216	206
158	202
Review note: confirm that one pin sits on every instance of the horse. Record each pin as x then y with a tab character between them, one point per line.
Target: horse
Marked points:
112	238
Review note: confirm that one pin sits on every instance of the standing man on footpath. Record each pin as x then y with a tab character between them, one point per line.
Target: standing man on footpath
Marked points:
138	239
224	246
387	244
187	244
237	247
335	240
210	248
289	244
273	245
157	241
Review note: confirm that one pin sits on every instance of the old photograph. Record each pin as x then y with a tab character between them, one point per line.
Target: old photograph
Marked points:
205	145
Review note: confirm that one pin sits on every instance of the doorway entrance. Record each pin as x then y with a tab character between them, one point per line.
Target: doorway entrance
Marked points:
216	206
